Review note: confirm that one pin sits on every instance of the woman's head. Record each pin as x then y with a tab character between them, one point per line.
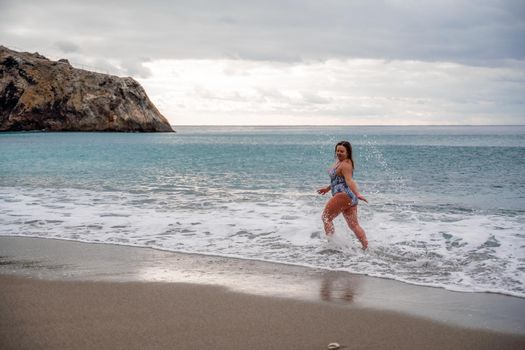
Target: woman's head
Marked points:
343	150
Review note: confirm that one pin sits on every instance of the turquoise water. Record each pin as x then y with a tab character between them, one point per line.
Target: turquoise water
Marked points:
447	204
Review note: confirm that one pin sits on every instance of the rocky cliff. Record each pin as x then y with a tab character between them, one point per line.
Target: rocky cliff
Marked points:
39	94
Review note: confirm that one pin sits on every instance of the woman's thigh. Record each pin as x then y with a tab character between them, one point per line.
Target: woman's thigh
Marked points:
350	215
337	204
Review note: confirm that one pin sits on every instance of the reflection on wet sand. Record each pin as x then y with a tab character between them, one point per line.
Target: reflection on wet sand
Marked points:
337	287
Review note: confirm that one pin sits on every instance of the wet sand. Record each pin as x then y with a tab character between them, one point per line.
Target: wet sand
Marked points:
60	295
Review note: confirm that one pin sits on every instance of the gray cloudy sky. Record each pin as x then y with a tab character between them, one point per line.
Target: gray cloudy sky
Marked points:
294	62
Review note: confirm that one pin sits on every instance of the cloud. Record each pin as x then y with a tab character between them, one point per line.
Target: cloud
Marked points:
67	46
468	32
338	91
136	68
314	98
294	61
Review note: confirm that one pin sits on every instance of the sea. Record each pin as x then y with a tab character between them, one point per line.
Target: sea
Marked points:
446	203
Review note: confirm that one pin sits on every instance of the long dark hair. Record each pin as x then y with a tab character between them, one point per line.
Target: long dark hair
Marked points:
348	147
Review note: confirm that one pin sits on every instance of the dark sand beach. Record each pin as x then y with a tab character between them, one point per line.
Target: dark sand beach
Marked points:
70	295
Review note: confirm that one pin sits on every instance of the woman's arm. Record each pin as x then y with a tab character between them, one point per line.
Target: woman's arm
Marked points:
346	171
324	189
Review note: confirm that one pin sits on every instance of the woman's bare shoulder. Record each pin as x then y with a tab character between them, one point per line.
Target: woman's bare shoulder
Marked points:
347	166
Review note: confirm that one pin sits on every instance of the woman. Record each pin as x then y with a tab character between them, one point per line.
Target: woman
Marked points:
345	194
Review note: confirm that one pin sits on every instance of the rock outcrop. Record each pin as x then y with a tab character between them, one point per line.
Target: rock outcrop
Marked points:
39	94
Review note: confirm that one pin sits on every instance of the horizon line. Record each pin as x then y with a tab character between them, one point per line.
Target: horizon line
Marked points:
344	125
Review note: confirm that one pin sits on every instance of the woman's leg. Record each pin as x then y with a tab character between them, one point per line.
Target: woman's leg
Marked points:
350	215
334	207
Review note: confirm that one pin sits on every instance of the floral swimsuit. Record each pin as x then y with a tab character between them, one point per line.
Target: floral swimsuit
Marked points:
338	184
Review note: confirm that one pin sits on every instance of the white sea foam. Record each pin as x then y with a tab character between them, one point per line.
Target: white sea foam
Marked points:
464	251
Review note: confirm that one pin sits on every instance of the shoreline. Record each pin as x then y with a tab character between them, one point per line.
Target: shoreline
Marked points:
262	261
72	261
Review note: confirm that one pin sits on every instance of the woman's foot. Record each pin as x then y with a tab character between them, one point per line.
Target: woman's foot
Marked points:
364	242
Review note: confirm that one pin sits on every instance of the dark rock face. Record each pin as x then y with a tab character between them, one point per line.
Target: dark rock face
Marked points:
39	94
